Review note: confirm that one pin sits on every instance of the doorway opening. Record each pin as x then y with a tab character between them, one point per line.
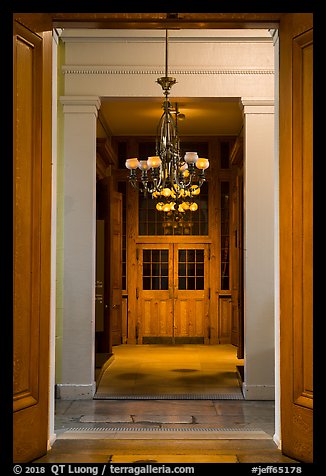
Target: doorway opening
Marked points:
180	289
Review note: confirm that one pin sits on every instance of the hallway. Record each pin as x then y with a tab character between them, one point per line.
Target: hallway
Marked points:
184	371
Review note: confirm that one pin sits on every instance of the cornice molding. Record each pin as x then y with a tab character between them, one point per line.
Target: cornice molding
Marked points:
80	104
153	70
257	105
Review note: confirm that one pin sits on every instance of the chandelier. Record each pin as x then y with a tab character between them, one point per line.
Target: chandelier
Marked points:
167	170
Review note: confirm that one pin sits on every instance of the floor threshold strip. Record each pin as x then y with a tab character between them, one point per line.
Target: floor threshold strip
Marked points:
111	429
181	396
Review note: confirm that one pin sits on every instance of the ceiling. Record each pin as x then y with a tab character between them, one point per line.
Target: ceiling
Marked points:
139	117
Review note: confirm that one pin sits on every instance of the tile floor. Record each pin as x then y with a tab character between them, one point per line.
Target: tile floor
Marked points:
185	369
178	430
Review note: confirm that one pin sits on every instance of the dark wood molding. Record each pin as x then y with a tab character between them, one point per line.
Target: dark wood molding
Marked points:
236	155
105	157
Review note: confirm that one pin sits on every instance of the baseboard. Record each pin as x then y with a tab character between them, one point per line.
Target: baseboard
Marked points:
70	391
258	392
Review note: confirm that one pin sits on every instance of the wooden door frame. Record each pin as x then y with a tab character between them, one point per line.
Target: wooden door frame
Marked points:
47	21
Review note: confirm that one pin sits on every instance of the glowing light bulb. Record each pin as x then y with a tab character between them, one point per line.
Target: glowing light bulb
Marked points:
195	190
166	192
194	207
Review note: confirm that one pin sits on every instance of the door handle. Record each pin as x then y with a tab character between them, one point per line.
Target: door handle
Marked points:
115	306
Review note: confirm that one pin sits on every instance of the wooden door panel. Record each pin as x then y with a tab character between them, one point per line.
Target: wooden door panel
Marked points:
296	235
31	240
27	218
190	317
302	220
156	316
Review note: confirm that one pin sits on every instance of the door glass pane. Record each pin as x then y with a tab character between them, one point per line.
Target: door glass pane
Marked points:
199	282
155	270
165	256
156	256
182	283
182	269
146	269
165	269
199	269
182	255
147	256
191	269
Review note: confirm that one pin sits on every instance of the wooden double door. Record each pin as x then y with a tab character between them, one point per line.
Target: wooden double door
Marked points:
172	293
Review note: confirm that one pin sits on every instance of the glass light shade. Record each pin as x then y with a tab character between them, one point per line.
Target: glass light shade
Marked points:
183	167
132	164
202	164
186	174
154	162
166	192
195	190
166	207
143	165
191	157
193	207
185	205
159	206
156	194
